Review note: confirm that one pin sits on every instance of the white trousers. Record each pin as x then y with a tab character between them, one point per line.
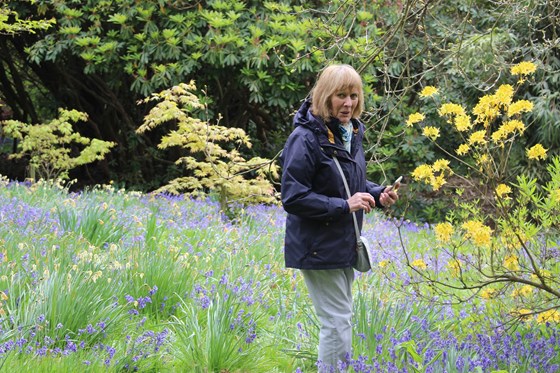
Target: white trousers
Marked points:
331	293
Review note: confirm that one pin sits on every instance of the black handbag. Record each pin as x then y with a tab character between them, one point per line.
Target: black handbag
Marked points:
363	263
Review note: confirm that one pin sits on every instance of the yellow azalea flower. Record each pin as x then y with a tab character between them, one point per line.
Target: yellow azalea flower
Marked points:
488	293
451	109
443	231
440	165
504	95
463	123
544	273
524	291
384	263
414	118
512	239
549	317
536	152
431	132
478	137
422	172
515	125
455	267
428	91
511	262
523	68
502	190
486	109
478	233
483	160
506	129
500	134
419	264
521	106
522	313
437	182
3	296
463	149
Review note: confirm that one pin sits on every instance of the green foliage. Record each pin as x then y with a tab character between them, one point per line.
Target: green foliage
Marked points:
212	167
216	338
98	224
10	23
52	146
410	350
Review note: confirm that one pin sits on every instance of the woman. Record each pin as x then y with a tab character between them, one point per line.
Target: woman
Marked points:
320	235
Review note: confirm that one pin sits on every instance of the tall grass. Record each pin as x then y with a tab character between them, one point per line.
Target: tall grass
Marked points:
108	280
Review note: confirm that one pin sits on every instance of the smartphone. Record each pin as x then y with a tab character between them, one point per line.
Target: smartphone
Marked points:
395	184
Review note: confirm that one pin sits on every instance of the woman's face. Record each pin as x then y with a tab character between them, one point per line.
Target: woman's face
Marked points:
343	103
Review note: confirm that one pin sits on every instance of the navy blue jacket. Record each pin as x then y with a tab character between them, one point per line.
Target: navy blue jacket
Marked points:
320	231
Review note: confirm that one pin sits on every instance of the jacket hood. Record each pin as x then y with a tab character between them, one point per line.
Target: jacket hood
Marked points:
305	118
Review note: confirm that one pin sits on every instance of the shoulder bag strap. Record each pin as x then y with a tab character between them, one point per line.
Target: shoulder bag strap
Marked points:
347	192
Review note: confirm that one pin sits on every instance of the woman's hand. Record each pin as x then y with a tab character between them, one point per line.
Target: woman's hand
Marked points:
388	197
361	201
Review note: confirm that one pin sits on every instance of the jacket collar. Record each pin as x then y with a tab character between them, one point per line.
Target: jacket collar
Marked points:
328	134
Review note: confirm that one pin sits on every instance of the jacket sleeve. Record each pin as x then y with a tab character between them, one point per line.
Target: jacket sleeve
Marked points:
299	164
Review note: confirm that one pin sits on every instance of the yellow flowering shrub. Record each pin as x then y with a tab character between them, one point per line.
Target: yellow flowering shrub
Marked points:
419	264
536	152
502	190
502	239
431	132
428	91
523	291
414	118
488	293
443	232
549	316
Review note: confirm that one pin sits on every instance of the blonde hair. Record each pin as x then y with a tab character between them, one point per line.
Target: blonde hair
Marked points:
333	79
